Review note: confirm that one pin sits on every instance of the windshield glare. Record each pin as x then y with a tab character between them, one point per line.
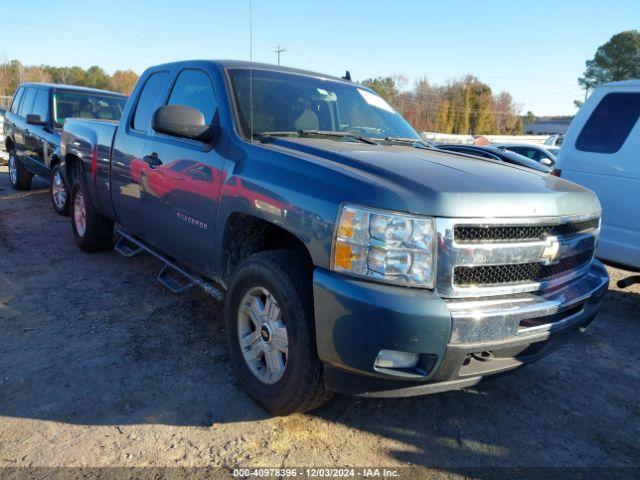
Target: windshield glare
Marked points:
286	102
82	105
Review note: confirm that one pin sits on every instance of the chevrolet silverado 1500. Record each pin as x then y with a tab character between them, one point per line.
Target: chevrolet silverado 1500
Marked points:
354	257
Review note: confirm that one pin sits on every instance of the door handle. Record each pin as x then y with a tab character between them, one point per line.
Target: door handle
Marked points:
152	159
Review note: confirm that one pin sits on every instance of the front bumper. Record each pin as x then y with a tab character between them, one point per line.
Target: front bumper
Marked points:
459	341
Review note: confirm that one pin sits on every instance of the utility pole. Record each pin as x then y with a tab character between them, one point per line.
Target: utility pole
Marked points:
279	49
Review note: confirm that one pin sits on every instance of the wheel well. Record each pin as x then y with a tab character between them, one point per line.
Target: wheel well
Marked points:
54	160
73	167
8	144
245	235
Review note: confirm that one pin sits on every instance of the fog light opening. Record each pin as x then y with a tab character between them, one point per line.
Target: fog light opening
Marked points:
485	356
396	359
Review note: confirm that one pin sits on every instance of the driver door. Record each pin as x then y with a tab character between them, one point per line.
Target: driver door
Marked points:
181	191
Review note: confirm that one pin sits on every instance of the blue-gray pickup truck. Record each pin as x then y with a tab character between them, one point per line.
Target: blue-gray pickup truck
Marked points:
353	257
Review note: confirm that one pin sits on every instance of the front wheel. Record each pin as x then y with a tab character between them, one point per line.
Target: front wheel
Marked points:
271	333
58	191
19	176
93	232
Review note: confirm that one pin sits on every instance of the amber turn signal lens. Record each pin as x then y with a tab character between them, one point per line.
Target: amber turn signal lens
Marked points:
343	255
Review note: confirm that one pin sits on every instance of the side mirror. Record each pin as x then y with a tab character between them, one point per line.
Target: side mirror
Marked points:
548	162
183	122
33	119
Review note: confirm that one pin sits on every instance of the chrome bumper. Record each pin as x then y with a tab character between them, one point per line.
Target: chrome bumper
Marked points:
501	318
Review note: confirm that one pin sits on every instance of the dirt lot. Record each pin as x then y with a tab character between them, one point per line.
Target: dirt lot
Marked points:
101	366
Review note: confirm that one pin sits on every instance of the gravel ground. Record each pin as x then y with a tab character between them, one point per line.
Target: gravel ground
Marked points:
100	366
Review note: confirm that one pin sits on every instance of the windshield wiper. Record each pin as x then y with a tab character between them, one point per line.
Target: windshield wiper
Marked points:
316	133
414	142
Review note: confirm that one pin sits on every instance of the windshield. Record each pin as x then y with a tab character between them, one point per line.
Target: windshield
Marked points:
86	105
287	102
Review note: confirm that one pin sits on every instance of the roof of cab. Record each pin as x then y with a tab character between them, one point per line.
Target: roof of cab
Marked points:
623	83
75	88
256	66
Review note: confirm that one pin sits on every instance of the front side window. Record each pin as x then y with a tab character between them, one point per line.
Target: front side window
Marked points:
86	105
16	100
193	89
27	104
289	102
610	123
41	104
149	100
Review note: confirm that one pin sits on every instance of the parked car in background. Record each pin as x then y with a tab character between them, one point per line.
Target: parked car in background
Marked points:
32	128
602	152
354	258
498	154
534	152
554	143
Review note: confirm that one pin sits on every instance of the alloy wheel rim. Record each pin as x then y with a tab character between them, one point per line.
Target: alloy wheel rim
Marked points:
80	214
58	190
13	171
262	334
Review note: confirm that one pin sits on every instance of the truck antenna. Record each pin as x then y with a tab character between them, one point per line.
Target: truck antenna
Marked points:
251	69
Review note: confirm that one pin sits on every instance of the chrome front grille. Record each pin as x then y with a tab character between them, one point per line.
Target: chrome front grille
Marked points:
518	233
485	257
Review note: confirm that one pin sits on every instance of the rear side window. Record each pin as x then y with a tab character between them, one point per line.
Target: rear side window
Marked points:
27	104
150	99
610	123
16	100
193	89
41	104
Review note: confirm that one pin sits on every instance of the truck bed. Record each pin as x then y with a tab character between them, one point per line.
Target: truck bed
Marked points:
89	142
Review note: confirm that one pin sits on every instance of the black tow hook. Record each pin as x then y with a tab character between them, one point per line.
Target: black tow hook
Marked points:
627	282
485	356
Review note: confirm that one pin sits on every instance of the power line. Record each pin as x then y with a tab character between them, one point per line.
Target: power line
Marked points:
103	33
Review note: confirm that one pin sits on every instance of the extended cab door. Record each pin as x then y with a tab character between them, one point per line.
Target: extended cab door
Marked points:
180	195
127	161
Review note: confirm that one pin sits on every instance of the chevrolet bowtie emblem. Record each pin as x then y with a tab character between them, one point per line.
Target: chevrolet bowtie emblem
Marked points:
551	253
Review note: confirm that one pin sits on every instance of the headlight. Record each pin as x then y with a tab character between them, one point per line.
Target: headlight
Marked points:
390	247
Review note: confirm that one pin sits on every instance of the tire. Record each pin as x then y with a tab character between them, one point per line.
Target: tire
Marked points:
93	232
58	191
19	176
282	275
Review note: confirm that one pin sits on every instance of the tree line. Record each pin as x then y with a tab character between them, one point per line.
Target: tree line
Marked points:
12	73
462	106
616	60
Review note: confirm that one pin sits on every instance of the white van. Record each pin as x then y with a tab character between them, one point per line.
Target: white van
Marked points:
601	151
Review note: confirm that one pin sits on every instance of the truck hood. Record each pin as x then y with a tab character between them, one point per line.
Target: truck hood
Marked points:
439	183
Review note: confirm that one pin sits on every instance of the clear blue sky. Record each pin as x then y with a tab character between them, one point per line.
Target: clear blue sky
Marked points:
534	49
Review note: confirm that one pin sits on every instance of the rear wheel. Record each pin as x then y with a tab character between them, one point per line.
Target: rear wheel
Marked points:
93	232
271	333
19	176
59	192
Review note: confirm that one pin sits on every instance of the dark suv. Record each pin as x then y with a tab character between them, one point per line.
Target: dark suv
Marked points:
32	128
